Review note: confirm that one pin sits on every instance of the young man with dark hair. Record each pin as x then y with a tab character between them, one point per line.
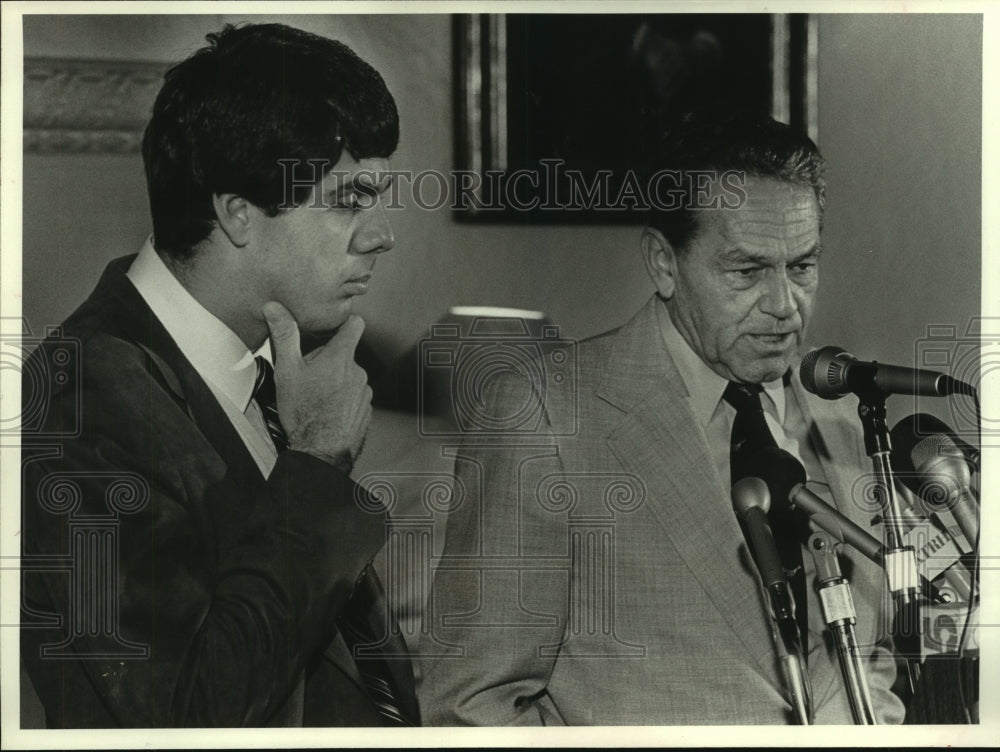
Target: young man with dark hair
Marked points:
229	580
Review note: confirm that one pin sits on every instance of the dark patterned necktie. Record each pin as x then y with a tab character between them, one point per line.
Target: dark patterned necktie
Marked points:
366	628
790	526
267	400
266	397
364	617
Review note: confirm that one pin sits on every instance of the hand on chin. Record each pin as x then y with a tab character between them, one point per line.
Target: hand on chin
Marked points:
321	332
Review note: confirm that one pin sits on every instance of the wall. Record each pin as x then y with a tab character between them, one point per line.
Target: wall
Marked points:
901	126
899	122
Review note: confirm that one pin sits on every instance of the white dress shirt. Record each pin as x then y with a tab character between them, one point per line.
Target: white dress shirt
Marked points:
213	349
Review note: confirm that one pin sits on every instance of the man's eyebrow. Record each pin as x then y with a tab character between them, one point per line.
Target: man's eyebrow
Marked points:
743	256
341	188
815	252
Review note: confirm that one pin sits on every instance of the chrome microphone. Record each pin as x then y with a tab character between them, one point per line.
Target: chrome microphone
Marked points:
913	429
831	372
936	469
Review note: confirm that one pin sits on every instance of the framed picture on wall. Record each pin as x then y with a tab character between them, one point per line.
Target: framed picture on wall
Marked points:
554	110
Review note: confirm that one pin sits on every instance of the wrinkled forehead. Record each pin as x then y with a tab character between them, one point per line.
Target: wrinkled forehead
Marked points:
772	212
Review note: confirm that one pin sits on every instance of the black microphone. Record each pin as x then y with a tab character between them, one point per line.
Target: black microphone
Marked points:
831	372
912	429
785	478
751	500
936	469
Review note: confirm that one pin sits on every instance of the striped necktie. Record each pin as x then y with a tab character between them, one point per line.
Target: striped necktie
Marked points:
267	400
364	618
266	397
790	526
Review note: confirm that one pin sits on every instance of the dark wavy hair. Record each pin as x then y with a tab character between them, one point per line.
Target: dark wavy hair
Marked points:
256	94
756	145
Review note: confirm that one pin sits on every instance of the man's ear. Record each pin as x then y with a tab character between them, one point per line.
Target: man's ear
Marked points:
233	215
661	261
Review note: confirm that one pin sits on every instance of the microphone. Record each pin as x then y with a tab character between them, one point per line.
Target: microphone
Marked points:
785	479
831	372
751	500
912	429
935	468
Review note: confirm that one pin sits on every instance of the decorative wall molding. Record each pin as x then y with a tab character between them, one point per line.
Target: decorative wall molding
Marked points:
88	106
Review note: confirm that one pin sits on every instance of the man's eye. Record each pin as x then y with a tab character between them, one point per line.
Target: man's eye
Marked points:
746	272
806	267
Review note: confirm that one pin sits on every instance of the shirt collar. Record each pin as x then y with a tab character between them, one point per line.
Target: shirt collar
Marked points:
776	391
213	349
704	386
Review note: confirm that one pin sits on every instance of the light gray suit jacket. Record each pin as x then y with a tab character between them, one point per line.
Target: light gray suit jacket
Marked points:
595	573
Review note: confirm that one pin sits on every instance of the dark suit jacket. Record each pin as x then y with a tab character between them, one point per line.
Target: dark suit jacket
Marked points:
167	582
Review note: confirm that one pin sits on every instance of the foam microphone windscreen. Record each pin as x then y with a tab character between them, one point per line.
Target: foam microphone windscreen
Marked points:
917	438
780	471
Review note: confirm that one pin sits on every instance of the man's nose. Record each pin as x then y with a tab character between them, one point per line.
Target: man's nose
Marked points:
777	299
375	234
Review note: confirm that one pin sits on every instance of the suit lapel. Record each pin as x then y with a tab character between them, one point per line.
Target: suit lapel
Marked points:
117	297
660	440
845	466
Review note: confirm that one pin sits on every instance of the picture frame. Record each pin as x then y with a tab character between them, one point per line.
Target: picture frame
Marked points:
542	100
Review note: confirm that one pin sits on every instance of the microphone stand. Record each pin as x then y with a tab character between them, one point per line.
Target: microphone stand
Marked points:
900	560
751	500
791	666
788	644
840	616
